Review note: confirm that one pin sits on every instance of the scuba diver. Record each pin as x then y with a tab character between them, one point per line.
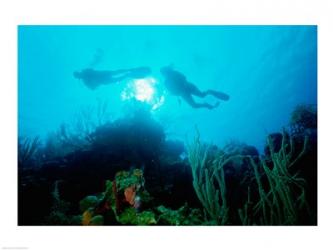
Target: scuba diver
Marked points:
94	78
178	85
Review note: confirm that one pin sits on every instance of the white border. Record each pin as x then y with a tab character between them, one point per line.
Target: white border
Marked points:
15	12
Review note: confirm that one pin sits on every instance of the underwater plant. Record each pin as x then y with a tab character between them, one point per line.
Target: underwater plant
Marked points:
115	207
131	217
283	199
59	209
87	202
120	203
77	134
276	193
27	149
182	216
207	166
89	219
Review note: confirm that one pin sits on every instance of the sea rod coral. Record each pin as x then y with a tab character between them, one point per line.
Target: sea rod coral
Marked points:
207	166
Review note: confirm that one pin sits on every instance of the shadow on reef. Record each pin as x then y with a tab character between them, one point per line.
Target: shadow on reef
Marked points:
125	172
136	141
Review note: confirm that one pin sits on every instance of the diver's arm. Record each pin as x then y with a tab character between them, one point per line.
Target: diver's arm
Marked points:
119	71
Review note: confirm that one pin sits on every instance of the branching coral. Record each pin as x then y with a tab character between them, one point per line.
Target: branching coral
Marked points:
27	149
280	203
78	133
209	179
245	214
276	197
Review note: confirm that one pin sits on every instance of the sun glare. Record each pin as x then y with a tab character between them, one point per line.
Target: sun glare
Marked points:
143	90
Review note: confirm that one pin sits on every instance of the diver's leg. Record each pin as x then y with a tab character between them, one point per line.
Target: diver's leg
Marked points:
193	90
119	78
218	94
189	99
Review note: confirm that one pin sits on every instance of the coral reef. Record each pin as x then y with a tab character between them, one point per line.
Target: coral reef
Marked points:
303	119
281	203
280	198
183	216
207	166
27	149
125	172
131	217
114	200
139	136
76	134
122	199
59	209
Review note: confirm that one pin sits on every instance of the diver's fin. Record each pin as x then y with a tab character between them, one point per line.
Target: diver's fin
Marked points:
209	106
219	95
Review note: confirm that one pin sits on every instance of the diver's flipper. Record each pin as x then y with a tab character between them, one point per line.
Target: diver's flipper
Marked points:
214	106
219	95
209	106
140	72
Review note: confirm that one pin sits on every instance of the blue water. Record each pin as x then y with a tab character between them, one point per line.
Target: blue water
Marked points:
266	70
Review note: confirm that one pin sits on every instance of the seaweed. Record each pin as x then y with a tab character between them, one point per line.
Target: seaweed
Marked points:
284	197
27	149
207	166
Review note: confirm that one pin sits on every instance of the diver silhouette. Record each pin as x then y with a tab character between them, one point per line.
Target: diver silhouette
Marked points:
178	85
94	78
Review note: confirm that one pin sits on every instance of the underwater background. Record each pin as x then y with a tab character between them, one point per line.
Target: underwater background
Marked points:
268	72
